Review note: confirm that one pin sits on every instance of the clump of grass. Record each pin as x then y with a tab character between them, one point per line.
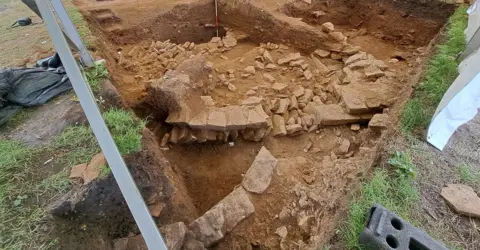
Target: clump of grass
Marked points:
19	212
468	176
80	24
126	130
403	164
396	192
442	69
95	75
16	230
79	144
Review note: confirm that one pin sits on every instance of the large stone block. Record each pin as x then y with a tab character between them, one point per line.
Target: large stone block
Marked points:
222	218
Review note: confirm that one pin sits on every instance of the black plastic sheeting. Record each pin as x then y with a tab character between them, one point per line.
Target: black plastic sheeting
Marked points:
31	86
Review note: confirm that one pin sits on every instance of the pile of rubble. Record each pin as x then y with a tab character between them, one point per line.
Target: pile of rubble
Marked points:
342	86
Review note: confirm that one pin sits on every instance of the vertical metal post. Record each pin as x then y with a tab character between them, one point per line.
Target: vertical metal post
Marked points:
135	202
72	32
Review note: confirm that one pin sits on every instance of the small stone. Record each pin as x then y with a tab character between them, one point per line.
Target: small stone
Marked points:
249	70
308	74
355	58
282	232
336	56
321	53
165	140
245	75
373	71
230	71
343	148
156	209
93	168
462	199
259	175
306	97
232	87
359	64
393	60
229	41
318	13
291	121
299	91
322	69
379	122
316	99
296	63
207	100
222	77
308	146
269	77
252	101
380	64
278	126
271	66
251	93
303	223
216	39
293	103
283	106
333	156
259	65
328	27
337	36
308	120
349	50
268	58
291	129
279	87
224	57
209	65
77	171
355	127
290	57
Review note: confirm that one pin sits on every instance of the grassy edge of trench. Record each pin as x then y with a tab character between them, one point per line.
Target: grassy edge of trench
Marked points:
394	186
441	71
25	189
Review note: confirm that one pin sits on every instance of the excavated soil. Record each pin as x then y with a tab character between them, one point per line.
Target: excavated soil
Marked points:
311	186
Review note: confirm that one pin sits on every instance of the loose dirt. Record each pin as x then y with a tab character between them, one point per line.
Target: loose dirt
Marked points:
322	157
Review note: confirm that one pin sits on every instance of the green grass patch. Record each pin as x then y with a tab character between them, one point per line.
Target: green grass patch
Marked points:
80	24
95	75
24	188
395	191
468	175
441	71
16	229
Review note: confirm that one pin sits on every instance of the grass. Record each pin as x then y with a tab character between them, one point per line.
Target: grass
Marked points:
95	75
441	71
469	176
80	24
25	189
392	190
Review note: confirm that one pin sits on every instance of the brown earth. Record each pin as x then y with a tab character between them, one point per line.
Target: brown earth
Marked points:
310	184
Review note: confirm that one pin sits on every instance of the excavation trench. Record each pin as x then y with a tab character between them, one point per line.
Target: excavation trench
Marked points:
164	65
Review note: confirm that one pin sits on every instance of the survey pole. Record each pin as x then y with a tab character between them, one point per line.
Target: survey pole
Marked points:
122	175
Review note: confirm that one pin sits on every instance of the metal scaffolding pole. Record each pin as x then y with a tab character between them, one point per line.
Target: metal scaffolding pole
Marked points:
135	202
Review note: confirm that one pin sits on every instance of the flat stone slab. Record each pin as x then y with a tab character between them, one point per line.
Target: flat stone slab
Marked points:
258	177
333	114
462	199
222	218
